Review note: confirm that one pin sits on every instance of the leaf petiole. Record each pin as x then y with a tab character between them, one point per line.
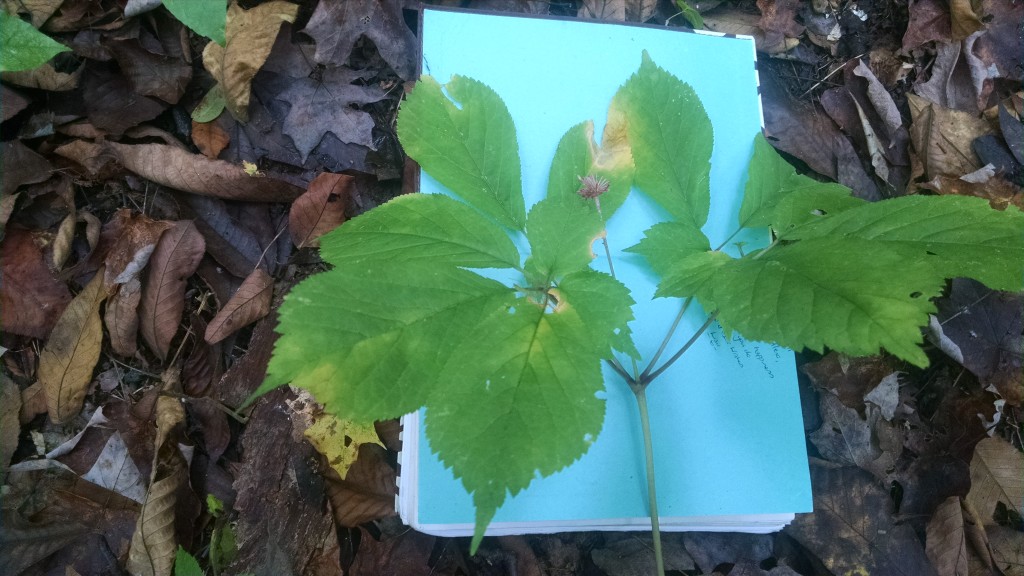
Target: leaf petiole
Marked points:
649	376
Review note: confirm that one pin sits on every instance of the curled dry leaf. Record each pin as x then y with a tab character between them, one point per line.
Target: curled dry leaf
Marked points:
136	239
996	477
154	543
320	210
368	491
176	257
122	319
62	241
31	298
250	35
250	303
946	543
71	352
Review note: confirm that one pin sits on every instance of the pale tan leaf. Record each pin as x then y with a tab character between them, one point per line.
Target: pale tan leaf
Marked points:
611	10
175	258
33	403
946	544
10	427
39	10
70	354
996	477
250	303
93	227
154	543
45	77
974	529
963	18
62	241
731	20
249	35
122	319
942	137
320	210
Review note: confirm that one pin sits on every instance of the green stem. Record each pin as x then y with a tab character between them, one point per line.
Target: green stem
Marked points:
646	377
652	494
668	336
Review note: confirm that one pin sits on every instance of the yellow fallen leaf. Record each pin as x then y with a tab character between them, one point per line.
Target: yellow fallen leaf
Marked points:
249	35
339	440
72	351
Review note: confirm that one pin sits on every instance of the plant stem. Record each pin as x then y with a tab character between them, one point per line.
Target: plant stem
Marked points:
646	377
652	494
668	336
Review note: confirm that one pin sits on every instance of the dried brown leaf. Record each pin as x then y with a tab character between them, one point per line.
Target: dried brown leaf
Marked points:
175	258
320	210
112	103
957	78
45	77
335	27
10	427
122	319
229	237
1007	549
33	403
14	102
996	477
39	11
942	137
368	491
250	303
31	297
946	543
210	138
733	20
72	351
23	543
150	74
1000	193
137	235
929	21
250	35
964	19
22	166
154	542
63	240
851	529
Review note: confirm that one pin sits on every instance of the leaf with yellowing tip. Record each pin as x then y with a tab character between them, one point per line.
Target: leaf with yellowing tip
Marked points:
339	440
250	35
71	352
250	303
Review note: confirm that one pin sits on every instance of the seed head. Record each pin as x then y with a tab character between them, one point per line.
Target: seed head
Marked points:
592	186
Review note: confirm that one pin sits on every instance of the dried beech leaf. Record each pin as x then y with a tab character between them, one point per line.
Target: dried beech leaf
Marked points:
250	35
320	210
122	319
154	543
250	303
179	169
176	257
71	352
31	298
368	491
996	477
210	138
46	78
946	544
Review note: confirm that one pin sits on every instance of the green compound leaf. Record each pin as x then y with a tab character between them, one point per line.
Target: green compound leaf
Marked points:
368	339
777	196
956	235
24	47
852	296
471	149
205	17
525	382
421	227
671	137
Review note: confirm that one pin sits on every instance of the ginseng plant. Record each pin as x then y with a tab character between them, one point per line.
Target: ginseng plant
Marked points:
405	320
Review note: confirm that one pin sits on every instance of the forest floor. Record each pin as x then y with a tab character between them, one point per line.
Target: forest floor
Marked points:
144	254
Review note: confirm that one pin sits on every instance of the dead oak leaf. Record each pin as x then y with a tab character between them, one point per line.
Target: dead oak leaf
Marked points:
335	26
319	107
250	35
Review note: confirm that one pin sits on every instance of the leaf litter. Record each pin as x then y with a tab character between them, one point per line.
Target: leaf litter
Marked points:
931	104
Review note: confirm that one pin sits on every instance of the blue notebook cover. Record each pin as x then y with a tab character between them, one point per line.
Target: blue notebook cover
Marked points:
726	420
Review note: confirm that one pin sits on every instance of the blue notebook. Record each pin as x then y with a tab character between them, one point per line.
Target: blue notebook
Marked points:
726	419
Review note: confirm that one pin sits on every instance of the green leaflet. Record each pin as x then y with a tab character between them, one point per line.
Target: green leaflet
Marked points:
408	314
186	564
24	47
605	307
667	243
775	195
957	235
525	383
852	296
471	150
561	234
671	138
421	227
207	18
